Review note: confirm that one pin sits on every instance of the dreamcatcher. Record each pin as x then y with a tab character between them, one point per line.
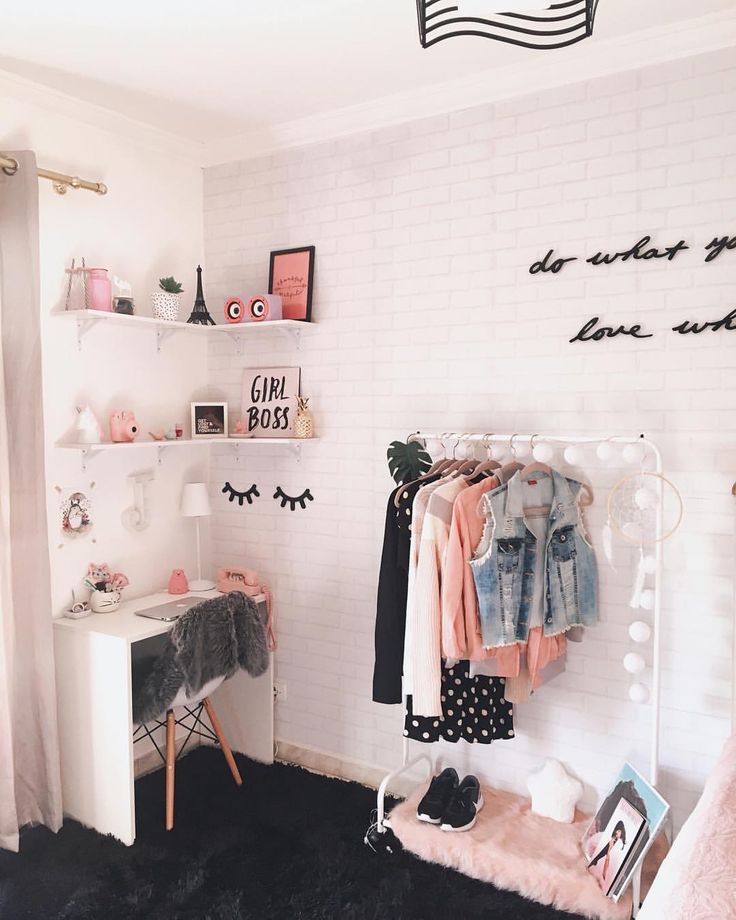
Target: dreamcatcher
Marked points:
644	509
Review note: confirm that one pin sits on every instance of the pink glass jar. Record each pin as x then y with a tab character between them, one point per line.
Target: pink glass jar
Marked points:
99	290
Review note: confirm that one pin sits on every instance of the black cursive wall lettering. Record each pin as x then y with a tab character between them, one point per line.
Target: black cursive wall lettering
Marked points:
718	245
590	333
544	264
639	251
728	323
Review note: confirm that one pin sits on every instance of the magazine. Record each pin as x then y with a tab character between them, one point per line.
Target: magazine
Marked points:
619	836
607	850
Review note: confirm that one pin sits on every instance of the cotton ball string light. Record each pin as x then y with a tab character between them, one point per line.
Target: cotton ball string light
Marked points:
638	693
498	450
634	663
647	599
634	453
645	498
544	453
605	452
640	631
574	455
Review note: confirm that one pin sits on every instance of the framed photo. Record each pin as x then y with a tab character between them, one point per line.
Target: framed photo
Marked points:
291	275
209	419
269	401
624	827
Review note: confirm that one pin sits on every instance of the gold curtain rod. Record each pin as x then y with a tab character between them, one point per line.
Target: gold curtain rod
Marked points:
62	182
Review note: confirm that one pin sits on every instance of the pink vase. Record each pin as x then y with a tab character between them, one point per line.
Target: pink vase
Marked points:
99	290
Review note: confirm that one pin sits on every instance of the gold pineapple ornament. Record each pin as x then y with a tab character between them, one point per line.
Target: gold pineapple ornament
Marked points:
303	424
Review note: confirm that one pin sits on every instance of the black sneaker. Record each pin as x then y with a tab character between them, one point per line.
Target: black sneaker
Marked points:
438	796
463	807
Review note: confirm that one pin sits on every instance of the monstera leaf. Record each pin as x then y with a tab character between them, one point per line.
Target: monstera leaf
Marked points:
407	462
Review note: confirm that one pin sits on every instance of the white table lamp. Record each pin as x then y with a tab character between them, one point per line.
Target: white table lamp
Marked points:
195	502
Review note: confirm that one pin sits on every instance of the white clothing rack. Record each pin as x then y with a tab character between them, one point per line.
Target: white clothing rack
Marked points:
514	439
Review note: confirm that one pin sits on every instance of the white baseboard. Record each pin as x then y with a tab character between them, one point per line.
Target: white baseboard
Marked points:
344	768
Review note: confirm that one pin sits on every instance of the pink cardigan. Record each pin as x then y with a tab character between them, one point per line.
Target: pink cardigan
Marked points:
461	636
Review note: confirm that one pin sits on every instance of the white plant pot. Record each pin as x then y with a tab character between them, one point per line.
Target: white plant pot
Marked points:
104	601
165	306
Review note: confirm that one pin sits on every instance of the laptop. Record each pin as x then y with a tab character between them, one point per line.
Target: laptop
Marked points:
172	610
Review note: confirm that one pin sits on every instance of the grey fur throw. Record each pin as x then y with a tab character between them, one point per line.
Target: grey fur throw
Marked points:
211	640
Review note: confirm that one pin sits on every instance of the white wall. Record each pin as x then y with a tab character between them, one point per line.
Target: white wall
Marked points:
149	225
426	317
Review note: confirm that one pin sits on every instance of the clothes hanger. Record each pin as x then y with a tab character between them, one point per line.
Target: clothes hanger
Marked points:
467	466
535	467
487	465
438	467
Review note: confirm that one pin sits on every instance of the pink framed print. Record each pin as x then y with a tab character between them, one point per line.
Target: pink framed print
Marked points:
291	275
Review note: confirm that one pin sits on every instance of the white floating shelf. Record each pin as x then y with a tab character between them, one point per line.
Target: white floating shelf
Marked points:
87	319
88	451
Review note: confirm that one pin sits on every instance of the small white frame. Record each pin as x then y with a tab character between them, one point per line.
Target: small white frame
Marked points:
209	435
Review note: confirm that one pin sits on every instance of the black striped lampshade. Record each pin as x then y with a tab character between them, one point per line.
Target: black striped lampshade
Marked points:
529	23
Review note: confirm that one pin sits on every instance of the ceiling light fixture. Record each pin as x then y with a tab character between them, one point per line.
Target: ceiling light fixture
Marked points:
529	23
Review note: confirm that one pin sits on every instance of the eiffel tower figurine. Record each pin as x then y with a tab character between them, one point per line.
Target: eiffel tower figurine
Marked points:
200	315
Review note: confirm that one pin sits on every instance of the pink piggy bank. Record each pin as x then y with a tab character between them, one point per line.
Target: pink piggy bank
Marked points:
123	426
178	583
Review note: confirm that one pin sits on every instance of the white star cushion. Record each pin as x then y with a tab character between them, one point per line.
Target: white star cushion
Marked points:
554	792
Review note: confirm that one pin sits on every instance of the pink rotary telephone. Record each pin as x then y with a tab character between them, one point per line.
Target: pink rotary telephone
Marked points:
247	581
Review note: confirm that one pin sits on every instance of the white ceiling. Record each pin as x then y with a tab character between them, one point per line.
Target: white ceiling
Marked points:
208	71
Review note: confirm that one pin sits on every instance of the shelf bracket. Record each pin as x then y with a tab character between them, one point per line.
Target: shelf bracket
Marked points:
160	448
83	327
295	334
296	449
238	339
86	454
162	335
236	452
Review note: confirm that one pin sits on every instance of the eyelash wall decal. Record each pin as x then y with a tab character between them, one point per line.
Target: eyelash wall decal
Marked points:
234	493
302	499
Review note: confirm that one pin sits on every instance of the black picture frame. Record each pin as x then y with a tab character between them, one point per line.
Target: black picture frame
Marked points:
309	251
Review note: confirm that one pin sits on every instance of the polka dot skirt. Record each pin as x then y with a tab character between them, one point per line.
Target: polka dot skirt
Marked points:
473	710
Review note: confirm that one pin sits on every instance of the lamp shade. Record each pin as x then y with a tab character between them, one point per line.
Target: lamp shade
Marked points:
195	500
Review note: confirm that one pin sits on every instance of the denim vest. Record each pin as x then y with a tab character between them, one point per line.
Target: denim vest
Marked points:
511	561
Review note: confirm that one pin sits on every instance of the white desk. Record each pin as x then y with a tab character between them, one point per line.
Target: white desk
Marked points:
93	682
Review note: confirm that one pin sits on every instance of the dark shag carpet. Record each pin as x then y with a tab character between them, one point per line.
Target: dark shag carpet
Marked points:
288	844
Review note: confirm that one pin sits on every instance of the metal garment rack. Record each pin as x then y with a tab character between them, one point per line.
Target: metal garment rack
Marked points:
473	438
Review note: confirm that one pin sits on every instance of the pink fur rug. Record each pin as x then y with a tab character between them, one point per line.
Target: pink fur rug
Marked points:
514	849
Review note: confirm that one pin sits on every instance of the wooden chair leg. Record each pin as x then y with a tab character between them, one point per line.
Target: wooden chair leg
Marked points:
170	767
215	722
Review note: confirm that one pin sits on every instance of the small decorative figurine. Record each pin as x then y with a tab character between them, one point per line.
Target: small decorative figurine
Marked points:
123	426
304	423
178	582
88	429
200	315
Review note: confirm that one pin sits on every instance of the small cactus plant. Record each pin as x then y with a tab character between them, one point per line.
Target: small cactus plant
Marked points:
170	285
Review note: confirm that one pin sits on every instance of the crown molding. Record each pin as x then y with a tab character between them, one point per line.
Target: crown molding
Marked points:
588	60
142	134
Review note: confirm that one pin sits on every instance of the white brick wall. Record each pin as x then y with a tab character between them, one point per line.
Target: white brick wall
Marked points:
426	317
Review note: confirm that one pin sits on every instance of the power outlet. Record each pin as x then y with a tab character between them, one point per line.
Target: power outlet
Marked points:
279	691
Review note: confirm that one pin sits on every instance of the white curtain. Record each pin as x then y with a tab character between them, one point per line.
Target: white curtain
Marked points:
30	786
